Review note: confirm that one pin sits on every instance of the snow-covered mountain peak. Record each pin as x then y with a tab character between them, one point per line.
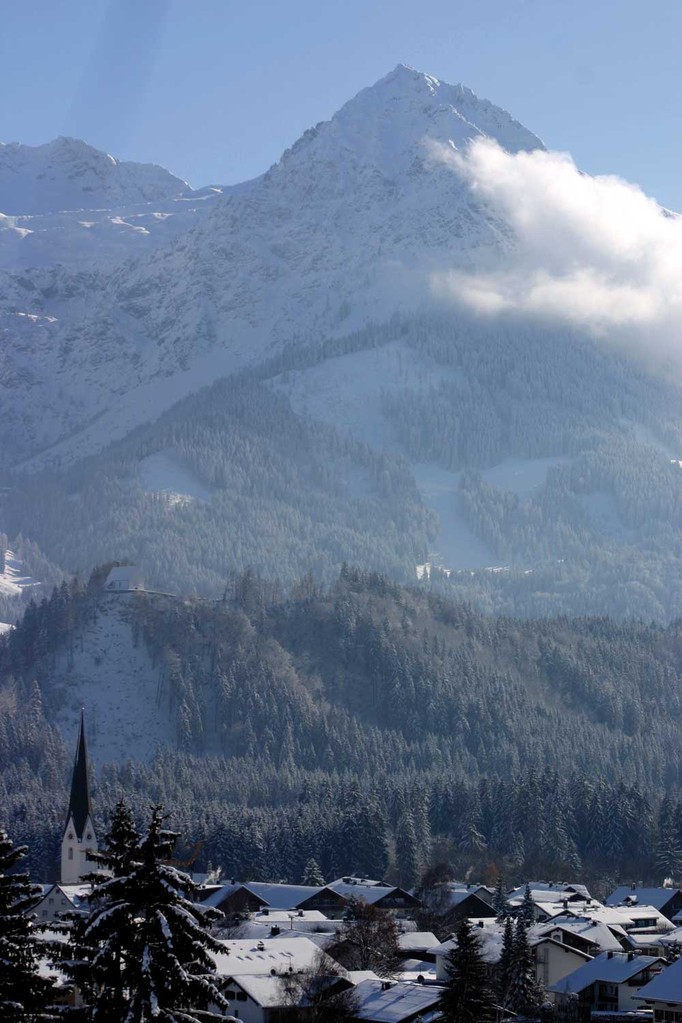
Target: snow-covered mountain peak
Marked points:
69	174
383	129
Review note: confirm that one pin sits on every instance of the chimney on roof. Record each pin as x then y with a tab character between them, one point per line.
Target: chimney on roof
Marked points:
609	955
631	956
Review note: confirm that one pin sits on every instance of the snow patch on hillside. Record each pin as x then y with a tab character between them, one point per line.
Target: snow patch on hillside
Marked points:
162	473
346	391
522	476
13	581
116	683
456	546
5	627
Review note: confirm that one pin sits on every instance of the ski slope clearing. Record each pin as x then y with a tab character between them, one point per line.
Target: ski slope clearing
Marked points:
161	473
14	581
116	683
346	391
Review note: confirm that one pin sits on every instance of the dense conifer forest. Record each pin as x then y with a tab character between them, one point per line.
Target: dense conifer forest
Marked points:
325	721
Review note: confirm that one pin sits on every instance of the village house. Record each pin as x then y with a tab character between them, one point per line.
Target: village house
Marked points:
376	893
554	960
386	1001
667	901
610	982
260	978
586	935
62	898
663	994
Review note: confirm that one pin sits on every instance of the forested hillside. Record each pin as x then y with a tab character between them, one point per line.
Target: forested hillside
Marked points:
416	441
311	723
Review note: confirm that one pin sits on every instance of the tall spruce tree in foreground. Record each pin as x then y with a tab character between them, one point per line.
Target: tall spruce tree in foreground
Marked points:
23	992
524	994
467	997
506	963
146	945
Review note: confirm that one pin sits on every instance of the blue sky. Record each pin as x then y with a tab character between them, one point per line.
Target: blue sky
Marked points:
215	89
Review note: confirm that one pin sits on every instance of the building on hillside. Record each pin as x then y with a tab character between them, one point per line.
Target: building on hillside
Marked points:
610	982
124	579
79	838
663	994
667	901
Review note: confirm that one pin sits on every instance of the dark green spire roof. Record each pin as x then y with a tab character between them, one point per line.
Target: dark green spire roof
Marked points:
79	804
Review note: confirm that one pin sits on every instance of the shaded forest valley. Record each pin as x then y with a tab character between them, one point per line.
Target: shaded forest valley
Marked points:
325	721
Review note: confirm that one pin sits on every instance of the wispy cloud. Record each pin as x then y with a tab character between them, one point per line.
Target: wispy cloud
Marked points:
595	252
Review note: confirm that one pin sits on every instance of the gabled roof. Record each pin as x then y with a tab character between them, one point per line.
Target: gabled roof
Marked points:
656	897
259	958
666	987
386	1002
370	892
610	968
591	931
79	802
283	896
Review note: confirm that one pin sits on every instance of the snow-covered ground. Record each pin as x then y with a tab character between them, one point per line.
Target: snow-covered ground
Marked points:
13	581
4	627
346	391
161	473
116	683
456	545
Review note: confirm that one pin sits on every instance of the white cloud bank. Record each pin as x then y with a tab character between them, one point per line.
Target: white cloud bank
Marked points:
594	252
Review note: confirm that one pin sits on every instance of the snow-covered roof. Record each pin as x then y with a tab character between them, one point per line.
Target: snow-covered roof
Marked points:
216	897
390	1002
369	892
367	881
565	887
413	969
666	987
417	940
543	896
592	931
266	991
490	937
611	968
639	942
657	897
620	916
282	896
257	958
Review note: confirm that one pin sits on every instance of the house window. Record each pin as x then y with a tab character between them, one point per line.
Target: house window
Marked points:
50	902
70	853
89	837
241	996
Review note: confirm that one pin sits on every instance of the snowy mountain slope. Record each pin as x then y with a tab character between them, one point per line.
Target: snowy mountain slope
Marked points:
68	174
116	682
343	230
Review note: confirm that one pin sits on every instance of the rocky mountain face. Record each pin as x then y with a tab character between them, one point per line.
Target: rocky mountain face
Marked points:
68	174
170	283
262	375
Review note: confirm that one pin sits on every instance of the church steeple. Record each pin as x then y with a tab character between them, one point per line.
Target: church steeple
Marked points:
79	804
79	833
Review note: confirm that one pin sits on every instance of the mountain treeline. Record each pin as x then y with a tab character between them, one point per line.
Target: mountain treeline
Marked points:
330	722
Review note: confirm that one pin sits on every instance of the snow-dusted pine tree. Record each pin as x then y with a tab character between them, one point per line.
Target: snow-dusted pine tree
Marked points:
467	997
524	995
506	963
23	993
146	945
500	904
312	874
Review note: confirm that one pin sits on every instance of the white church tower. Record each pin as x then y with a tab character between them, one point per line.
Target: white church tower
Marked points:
79	833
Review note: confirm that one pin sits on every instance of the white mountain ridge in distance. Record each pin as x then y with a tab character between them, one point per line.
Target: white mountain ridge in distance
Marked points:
343	230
